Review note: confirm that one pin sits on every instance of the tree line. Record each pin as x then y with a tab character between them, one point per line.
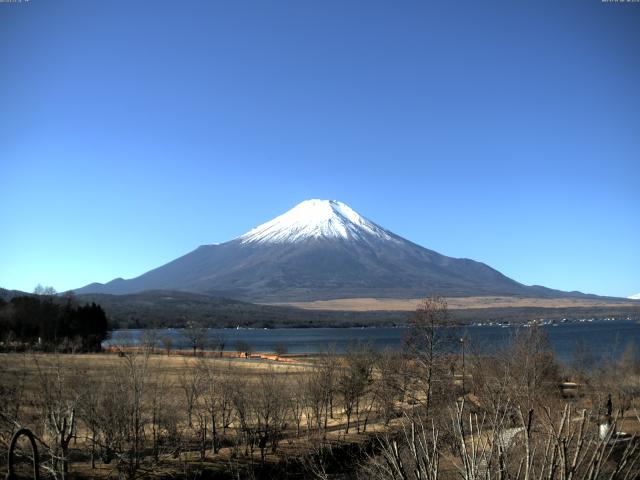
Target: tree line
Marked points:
46	322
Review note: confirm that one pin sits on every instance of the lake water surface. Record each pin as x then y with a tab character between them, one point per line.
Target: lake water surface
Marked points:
601	338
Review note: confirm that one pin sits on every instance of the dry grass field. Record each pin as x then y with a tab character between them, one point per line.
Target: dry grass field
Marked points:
138	414
456	303
173	379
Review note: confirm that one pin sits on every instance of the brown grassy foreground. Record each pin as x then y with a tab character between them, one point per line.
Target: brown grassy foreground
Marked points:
364	414
267	413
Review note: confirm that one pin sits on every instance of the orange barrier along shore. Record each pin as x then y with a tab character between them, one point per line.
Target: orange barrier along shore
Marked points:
114	349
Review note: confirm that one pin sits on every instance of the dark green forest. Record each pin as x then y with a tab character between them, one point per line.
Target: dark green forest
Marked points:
50	323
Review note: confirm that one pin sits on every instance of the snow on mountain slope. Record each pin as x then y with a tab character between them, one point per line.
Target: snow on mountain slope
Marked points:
635	297
314	219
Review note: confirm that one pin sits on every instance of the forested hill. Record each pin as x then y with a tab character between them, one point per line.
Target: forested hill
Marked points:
162	309
175	309
159	308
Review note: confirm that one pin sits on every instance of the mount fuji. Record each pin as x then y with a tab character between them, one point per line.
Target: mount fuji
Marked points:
321	250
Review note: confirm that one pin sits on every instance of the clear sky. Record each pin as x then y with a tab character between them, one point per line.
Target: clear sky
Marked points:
504	131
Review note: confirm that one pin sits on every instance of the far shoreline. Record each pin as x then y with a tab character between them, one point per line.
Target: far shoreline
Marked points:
393	325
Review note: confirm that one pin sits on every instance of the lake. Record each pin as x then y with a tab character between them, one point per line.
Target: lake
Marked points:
602	338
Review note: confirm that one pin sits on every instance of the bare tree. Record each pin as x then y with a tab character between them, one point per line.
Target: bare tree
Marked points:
212	400
90	394
583	361
390	386
191	382
218	342
271	410
227	378
554	447
491	381
243	348
618	377
415	455
167	343
150	340
58	405
534	373
327	367
122	415
320	387
163	418
45	291
242	394
196	336
280	349
296	397
427	343
12	396
354	380
315	401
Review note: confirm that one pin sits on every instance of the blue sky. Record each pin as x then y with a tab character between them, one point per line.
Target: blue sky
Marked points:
133	131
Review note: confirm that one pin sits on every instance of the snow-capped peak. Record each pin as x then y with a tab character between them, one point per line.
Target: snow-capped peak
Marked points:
635	297
315	219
